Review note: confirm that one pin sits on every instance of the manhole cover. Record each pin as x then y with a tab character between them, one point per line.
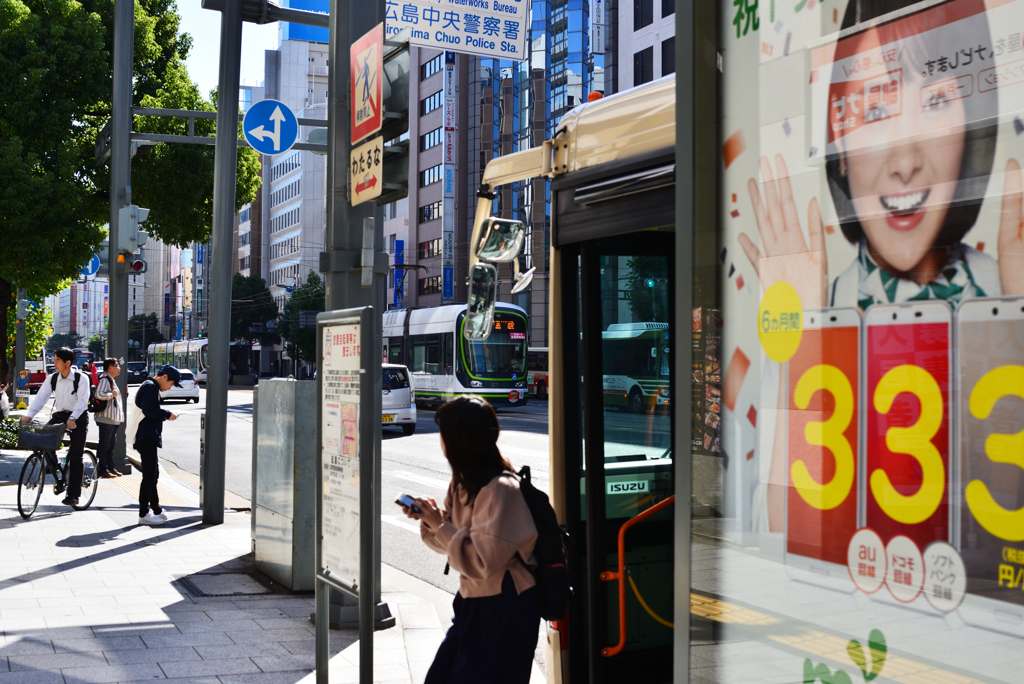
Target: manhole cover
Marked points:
227	584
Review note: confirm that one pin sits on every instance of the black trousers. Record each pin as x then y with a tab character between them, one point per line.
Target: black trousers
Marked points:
492	639
148	497
75	451
105	453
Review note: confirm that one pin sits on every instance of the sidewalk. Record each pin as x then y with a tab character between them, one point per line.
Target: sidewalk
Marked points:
91	596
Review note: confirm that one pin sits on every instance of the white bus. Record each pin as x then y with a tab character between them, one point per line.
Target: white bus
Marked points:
443	364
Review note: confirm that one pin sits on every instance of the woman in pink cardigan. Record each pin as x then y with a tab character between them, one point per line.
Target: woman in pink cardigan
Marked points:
488	534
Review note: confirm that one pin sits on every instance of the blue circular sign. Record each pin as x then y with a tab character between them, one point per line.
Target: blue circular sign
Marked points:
270	127
92	267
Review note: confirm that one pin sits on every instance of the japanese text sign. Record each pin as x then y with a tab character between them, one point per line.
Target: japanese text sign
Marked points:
367	63
365	171
490	28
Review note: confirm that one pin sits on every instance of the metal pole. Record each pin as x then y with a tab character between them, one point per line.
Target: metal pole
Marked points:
120	195
323	633
211	471
19	343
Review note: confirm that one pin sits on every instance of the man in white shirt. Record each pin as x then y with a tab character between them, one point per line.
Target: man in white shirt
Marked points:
70	389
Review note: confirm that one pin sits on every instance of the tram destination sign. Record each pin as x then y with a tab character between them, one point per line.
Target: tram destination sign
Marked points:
489	28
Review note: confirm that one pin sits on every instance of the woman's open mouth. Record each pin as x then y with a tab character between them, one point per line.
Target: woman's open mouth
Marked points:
904	210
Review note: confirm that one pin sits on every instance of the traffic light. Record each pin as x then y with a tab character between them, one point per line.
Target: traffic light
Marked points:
104	254
23	309
395	102
129	237
136	266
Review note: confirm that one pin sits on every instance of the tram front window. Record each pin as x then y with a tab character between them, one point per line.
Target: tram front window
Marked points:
503	353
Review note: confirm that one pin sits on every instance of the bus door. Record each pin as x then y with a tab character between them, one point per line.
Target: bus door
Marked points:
618	460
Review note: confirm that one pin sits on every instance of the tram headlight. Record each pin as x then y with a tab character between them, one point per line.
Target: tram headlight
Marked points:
663	392
475	383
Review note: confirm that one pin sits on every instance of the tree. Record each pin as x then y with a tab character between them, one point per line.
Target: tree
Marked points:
252	306
97	346
144	330
37	327
300	343
70	340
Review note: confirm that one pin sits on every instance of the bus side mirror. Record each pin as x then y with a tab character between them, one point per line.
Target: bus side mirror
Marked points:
483	291
500	240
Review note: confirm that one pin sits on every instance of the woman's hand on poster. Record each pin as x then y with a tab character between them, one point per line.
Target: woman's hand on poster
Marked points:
1011	233
786	255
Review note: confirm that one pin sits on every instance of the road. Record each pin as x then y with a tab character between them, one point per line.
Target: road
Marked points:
413	465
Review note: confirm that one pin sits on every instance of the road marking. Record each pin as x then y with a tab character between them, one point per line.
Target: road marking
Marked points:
419	479
397	522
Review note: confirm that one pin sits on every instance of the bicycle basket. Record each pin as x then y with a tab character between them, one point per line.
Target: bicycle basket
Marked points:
38	437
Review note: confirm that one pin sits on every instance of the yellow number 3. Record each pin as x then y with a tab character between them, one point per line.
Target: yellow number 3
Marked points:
914	440
828	434
997	383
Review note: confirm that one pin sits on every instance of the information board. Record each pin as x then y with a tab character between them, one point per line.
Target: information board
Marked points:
489	28
340	471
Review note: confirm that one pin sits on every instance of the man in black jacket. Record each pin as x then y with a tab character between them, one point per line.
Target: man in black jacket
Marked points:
148	438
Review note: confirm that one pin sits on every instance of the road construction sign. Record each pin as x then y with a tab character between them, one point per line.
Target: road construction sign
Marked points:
270	127
367	63
366	171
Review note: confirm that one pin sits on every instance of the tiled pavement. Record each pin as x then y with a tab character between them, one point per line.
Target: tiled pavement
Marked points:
91	596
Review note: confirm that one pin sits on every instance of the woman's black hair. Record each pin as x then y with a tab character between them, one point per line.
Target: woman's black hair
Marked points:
979	139
469	428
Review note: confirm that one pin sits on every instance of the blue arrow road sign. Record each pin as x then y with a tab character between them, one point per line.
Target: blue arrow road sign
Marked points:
270	127
92	266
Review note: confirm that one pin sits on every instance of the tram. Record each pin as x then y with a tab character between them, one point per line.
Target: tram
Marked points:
425	341
835	491
190	354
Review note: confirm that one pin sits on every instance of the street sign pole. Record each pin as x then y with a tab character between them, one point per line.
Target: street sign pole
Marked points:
212	467
19	343
120	195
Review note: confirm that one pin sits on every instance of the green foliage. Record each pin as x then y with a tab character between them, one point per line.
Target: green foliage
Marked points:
97	346
9	432
70	340
144	330
647	303
252	305
310	296
37	327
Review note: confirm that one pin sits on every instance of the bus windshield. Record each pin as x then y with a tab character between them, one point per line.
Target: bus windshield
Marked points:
503	353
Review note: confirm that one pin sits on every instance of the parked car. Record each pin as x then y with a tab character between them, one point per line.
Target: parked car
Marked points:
189	390
399	400
137	372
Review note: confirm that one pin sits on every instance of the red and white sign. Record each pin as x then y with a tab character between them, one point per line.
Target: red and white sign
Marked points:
865	557
366	59
904	574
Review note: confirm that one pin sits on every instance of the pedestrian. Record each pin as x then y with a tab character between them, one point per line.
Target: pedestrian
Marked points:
149	438
70	390
488	533
110	418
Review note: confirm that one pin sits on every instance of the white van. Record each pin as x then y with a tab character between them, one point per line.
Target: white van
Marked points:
399	400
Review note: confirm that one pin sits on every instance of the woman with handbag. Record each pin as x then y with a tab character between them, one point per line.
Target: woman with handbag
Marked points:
488	534
109	417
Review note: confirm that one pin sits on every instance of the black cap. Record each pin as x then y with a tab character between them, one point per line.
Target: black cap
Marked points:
172	373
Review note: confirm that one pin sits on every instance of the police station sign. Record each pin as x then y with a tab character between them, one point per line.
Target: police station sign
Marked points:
490	28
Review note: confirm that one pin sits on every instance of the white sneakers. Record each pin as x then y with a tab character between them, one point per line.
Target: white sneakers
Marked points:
153	519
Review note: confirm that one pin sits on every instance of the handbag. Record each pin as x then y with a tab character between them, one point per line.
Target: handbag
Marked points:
132	424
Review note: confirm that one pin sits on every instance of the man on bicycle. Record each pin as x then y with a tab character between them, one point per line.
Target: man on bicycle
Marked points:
70	389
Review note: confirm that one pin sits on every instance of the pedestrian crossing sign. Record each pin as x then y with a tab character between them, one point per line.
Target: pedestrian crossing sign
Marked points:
367	62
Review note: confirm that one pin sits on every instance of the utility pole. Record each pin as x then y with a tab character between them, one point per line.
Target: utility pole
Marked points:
120	190
212	466
19	342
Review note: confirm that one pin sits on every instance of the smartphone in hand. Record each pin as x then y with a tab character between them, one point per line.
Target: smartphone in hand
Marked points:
408	502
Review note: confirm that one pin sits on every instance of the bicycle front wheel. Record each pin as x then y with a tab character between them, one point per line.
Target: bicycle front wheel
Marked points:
90	481
30	484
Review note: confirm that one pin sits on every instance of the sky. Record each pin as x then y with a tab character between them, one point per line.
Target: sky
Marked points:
203	62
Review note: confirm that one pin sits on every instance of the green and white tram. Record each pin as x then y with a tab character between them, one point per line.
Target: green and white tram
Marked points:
190	354
444	364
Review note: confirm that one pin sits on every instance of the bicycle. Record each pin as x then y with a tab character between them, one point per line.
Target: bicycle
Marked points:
44	441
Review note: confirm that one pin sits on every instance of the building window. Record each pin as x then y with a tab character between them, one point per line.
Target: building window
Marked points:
428	249
432	67
285	166
431	139
431	285
668	8
668	56
643	66
429	176
244	215
430	212
643	13
290	191
430	103
243	239
286	220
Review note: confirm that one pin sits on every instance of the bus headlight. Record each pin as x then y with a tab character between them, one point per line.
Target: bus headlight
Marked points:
663	392
520	384
475	383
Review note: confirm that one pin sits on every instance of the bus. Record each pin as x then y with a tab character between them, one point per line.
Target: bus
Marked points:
636	366
443	364
190	354
537	371
82	356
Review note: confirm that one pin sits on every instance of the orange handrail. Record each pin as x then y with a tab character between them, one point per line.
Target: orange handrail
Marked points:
609	651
